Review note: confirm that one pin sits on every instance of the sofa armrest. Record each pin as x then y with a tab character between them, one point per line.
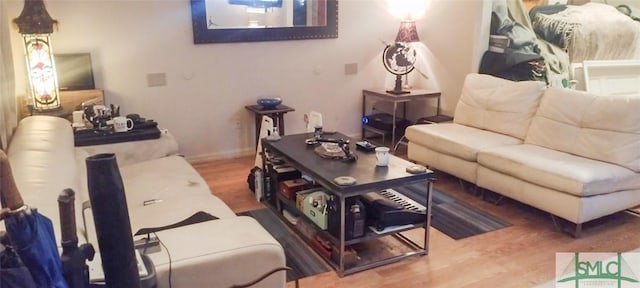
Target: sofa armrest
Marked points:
218	253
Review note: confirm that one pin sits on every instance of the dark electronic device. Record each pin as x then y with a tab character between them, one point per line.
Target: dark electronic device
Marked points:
275	175
390	208
384	122
74	71
355	217
140	122
365	146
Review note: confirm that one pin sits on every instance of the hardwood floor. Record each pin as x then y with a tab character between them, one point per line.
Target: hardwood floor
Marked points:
522	255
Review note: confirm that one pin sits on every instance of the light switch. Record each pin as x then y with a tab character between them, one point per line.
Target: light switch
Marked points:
156	79
351	69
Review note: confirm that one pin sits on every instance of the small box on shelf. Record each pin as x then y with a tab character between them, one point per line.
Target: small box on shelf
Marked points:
301	195
288	188
314	206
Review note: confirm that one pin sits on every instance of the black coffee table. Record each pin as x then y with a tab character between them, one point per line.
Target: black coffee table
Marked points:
369	177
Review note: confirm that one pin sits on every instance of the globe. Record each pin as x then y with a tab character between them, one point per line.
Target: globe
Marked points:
399	59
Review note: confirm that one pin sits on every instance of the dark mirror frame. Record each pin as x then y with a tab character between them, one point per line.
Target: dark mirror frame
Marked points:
201	34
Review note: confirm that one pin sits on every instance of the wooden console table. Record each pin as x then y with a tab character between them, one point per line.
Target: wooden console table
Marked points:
69	100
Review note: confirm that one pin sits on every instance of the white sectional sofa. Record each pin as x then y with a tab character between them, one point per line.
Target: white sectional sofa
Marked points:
573	154
218	253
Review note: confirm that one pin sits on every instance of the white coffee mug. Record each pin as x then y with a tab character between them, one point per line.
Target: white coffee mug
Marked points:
122	124
382	154
78	118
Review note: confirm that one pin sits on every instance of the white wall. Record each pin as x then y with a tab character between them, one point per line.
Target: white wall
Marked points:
209	84
7	96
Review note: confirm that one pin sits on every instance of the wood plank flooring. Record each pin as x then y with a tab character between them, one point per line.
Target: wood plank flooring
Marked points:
522	255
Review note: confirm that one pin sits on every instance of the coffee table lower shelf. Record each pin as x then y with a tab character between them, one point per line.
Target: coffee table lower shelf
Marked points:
418	251
411	247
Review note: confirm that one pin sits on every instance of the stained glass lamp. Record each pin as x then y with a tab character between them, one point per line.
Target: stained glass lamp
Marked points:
35	25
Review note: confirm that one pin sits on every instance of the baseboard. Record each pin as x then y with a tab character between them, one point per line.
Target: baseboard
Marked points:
234	153
222	155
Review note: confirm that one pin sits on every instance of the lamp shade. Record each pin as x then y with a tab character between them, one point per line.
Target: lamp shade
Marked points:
407	32
34	18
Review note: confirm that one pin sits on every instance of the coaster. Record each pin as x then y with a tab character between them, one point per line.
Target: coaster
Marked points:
416	169
345	180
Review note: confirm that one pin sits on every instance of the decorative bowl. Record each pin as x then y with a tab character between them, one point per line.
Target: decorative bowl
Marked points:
269	103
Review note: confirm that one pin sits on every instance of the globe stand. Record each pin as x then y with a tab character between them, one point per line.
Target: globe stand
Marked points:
397	90
398	59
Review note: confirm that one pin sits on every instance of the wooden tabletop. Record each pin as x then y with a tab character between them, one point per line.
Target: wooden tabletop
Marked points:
259	109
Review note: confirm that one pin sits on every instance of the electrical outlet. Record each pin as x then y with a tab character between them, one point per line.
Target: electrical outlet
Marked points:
237	124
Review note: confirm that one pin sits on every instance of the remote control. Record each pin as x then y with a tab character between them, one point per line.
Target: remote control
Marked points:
365	146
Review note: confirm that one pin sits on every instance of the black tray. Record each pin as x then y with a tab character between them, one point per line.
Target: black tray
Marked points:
94	137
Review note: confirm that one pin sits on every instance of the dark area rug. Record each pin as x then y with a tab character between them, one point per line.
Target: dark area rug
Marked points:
450	216
302	260
453	217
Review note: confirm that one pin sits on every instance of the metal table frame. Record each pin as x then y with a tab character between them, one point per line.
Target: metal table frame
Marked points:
344	192
382	95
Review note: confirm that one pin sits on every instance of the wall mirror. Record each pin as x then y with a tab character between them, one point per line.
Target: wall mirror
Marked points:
221	21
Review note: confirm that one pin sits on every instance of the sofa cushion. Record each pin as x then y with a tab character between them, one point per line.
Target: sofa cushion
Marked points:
169	178
178	188
457	140
597	127
558	170
498	105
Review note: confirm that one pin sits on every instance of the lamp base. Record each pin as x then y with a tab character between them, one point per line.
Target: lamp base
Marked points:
398	92
58	112
59	108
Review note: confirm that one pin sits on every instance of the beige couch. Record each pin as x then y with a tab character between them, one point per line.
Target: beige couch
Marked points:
217	253
573	154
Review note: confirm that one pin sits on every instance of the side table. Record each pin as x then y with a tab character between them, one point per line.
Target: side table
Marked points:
381	94
277	114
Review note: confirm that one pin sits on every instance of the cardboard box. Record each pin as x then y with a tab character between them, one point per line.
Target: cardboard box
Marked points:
289	188
314	206
300	195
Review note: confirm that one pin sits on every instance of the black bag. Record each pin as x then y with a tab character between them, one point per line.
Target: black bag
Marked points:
251	179
514	66
13	274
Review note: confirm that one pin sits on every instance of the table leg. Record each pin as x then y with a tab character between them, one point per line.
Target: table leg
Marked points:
393	123
258	127
364	99
342	236
281	123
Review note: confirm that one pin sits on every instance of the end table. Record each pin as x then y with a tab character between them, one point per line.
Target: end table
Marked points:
277	114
